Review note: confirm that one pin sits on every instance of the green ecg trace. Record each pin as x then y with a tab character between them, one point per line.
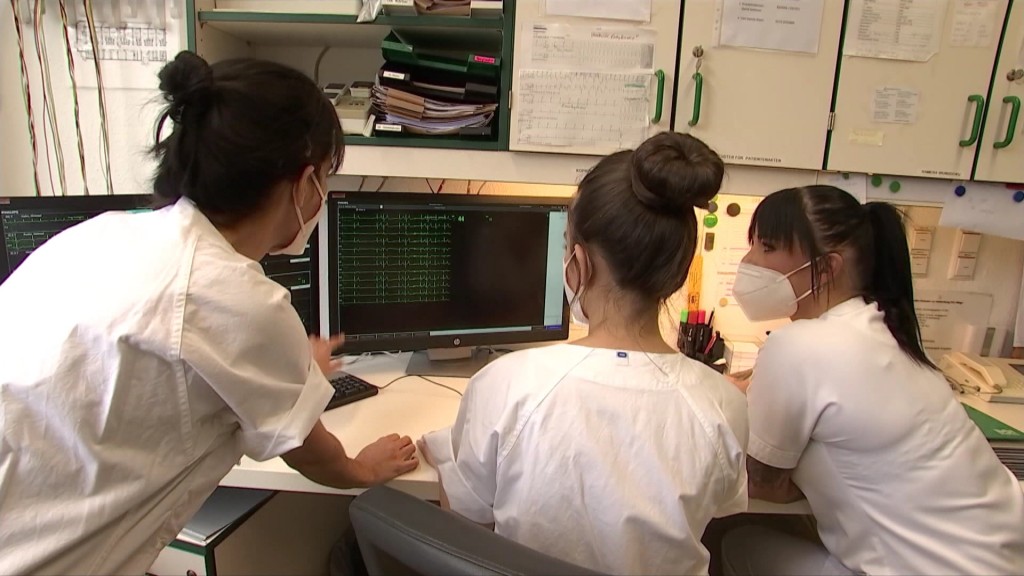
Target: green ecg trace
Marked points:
395	258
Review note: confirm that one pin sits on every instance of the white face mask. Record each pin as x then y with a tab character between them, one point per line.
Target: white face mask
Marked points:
575	307
765	294
298	244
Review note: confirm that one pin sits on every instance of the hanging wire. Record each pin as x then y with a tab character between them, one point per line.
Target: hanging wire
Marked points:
90	19
48	105
26	93
74	93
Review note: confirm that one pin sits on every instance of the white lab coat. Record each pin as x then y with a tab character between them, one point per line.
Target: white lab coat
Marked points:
898	477
140	357
613	460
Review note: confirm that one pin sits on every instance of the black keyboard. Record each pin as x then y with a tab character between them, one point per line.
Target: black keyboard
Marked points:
348	389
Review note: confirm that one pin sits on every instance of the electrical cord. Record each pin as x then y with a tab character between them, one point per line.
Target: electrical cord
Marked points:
90	19
48	106
26	93
316	67
381	185
434	382
74	93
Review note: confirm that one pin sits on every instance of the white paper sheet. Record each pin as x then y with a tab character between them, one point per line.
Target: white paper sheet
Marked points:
985	208
894	29
588	47
600	111
895	105
855	184
975	23
1018	331
788	25
942	315
634	10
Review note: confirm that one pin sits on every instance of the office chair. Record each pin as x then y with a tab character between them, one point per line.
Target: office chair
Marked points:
399	534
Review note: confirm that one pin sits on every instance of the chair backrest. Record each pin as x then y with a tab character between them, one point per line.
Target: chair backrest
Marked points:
400	534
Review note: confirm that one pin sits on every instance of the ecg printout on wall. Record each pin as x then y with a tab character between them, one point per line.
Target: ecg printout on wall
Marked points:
601	111
590	48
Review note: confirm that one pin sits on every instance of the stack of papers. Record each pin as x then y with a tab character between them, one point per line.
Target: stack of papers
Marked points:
426	116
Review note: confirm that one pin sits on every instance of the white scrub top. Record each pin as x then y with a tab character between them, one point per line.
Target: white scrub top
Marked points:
140	357
613	460
898	477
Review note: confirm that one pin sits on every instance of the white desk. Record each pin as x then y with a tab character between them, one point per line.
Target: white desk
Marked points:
410	407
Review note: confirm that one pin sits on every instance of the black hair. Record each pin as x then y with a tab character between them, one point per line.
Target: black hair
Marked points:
240	127
820	220
636	207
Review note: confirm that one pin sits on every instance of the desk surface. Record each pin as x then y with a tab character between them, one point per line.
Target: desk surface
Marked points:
412	406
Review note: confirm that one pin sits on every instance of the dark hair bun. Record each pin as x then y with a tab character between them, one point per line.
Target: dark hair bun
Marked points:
187	82
673	173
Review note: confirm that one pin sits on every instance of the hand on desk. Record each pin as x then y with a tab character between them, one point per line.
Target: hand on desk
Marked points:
387	458
741	379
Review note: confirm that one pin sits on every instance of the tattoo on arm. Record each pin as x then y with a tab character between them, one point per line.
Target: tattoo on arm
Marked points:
770	483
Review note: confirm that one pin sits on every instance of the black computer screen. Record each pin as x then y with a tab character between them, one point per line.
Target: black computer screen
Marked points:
27	222
411	271
299	274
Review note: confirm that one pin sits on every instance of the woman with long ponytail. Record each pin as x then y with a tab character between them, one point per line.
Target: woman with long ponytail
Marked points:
848	411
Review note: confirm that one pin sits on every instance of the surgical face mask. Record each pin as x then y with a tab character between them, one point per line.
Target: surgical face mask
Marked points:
575	307
298	244
765	294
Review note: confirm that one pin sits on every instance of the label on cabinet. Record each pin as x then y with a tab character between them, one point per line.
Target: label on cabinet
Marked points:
867	137
894	105
787	25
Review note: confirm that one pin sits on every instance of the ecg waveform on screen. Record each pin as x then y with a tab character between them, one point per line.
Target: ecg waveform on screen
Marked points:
25	231
394	258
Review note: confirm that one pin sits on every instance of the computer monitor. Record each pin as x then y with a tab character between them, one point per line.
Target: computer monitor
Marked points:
300	275
28	221
443	271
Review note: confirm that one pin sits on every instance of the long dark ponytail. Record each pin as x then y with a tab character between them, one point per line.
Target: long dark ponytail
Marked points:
889	282
823	219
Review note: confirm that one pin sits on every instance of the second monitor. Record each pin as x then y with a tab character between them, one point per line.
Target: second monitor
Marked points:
432	272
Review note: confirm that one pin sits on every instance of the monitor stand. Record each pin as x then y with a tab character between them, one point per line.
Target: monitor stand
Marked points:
448	362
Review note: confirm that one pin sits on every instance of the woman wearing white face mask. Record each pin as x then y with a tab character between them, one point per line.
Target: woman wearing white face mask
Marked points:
847	410
613	452
141	355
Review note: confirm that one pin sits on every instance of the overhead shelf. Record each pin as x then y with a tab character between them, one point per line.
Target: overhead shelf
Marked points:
239	16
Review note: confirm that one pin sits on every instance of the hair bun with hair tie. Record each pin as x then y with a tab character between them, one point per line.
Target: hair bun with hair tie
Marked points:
673	173
187	84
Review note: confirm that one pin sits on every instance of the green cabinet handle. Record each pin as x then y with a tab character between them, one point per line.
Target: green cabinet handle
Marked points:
660	75
979	112
698	79
1014	103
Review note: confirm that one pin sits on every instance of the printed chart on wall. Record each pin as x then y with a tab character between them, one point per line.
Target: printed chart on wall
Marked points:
134	40
946	318
895	29
584	87
786	25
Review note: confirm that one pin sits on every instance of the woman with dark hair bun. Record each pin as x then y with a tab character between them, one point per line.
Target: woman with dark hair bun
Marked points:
613	452
142	355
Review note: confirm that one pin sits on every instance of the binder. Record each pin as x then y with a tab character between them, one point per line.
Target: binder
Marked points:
438	84
440	53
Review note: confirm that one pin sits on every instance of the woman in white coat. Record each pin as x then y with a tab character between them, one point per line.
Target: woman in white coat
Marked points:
847	410
141	355
615	451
